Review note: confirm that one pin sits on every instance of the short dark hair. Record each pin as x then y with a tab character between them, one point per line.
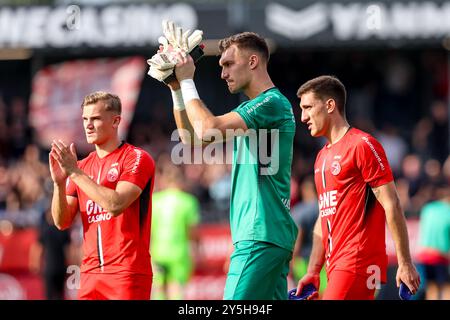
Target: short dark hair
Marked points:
112	102
246	40
325	87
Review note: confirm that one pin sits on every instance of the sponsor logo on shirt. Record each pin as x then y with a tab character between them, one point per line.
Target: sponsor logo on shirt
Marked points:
259	104
96	213
328	203
375	153
335	168
112	174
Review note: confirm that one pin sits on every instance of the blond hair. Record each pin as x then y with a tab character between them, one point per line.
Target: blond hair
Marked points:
112	102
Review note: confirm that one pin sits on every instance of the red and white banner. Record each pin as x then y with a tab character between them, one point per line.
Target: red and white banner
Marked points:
58	91
211	263
206	283
413	234
16	281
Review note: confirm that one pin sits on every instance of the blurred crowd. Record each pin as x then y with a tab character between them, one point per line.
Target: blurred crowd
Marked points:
24	176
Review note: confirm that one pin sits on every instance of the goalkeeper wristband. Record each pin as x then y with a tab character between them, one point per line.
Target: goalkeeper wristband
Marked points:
188	90
177	99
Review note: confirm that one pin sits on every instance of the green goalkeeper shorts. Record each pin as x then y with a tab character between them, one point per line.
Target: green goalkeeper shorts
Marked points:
258	271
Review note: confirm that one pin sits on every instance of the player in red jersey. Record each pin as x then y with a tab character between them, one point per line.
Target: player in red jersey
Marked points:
112	189
357	196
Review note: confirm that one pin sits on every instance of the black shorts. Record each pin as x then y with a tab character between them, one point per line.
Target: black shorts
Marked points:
438	273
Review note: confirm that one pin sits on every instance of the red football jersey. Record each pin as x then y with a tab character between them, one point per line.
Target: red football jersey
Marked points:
353	221
117	244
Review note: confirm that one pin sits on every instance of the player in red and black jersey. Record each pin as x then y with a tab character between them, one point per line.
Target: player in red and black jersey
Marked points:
112	189
357	196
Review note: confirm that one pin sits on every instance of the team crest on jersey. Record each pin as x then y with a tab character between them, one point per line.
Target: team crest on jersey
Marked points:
112	175
335	168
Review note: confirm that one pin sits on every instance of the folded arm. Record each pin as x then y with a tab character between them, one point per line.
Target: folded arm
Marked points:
115	201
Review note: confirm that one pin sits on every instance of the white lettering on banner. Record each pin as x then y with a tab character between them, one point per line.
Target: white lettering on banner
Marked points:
133	25
34	32
328	203
11	25
296	24
361	21
56	35
349	16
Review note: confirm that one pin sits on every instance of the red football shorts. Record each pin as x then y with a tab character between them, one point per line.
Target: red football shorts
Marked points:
101	286
344	285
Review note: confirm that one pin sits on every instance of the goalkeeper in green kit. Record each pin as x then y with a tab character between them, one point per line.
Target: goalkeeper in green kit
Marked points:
262	229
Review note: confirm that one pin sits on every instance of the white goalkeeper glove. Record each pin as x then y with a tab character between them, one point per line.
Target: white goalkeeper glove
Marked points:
181	41
160	75
163	60
174	41
161	65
